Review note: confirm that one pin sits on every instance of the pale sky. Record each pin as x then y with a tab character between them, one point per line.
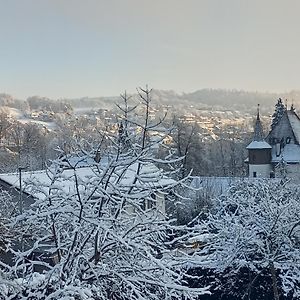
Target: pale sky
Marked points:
75	48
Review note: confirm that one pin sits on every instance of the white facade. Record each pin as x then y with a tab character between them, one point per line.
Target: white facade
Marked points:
293	173
262	171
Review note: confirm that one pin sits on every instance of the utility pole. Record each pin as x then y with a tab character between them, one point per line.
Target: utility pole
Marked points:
21	203
20	189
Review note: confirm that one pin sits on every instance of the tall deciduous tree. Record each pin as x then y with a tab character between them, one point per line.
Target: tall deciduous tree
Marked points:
106	228
186	139
4	124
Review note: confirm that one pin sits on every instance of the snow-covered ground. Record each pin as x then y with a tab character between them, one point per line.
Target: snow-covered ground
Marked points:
48	125
14	113
18	115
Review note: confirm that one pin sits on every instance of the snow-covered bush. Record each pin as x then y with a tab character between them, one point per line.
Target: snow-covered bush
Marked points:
256	226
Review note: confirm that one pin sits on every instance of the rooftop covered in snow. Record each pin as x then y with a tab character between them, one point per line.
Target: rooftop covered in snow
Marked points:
37	183
258	145
295	123
290	154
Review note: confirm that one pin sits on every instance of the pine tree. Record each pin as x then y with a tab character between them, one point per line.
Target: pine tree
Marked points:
279	111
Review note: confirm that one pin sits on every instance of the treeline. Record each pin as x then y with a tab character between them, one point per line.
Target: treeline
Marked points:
35	103
226	99
202	99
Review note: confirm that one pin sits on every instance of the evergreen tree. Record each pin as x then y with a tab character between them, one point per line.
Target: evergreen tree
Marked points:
279	111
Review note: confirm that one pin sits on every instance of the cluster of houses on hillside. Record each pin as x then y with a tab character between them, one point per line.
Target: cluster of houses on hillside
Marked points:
272	156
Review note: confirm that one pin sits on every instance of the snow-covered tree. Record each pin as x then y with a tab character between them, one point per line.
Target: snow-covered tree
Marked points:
104	227
8	211
279	111
256	227
187	144
281	168
4	123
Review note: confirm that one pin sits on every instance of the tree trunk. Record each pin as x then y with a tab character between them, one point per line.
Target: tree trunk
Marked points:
274	281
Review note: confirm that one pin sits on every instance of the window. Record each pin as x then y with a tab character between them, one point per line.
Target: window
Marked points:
151	201
254	174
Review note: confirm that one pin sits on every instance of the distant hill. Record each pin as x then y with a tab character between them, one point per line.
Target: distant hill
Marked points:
227	99
214	99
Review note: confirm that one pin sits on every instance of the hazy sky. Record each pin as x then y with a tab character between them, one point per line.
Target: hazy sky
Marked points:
74	48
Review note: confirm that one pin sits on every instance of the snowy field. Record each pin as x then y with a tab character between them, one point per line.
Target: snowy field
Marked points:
19	116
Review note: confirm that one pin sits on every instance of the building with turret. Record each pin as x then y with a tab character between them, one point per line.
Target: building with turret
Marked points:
280	149
259	153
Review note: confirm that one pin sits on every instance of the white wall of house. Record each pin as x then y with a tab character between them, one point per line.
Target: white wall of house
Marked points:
261	171
293	172
158	203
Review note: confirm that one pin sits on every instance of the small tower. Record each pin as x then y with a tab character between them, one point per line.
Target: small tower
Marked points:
259	153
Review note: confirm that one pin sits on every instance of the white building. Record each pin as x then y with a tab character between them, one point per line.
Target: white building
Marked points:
280	149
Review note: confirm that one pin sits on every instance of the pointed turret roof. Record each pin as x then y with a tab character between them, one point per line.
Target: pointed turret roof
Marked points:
258	129
258	141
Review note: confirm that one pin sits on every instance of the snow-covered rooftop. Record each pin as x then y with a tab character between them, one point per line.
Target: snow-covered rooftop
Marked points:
149	177
290	154
258	145
295	123
216	185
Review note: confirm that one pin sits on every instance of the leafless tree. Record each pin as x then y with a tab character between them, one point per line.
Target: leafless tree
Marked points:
106	227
